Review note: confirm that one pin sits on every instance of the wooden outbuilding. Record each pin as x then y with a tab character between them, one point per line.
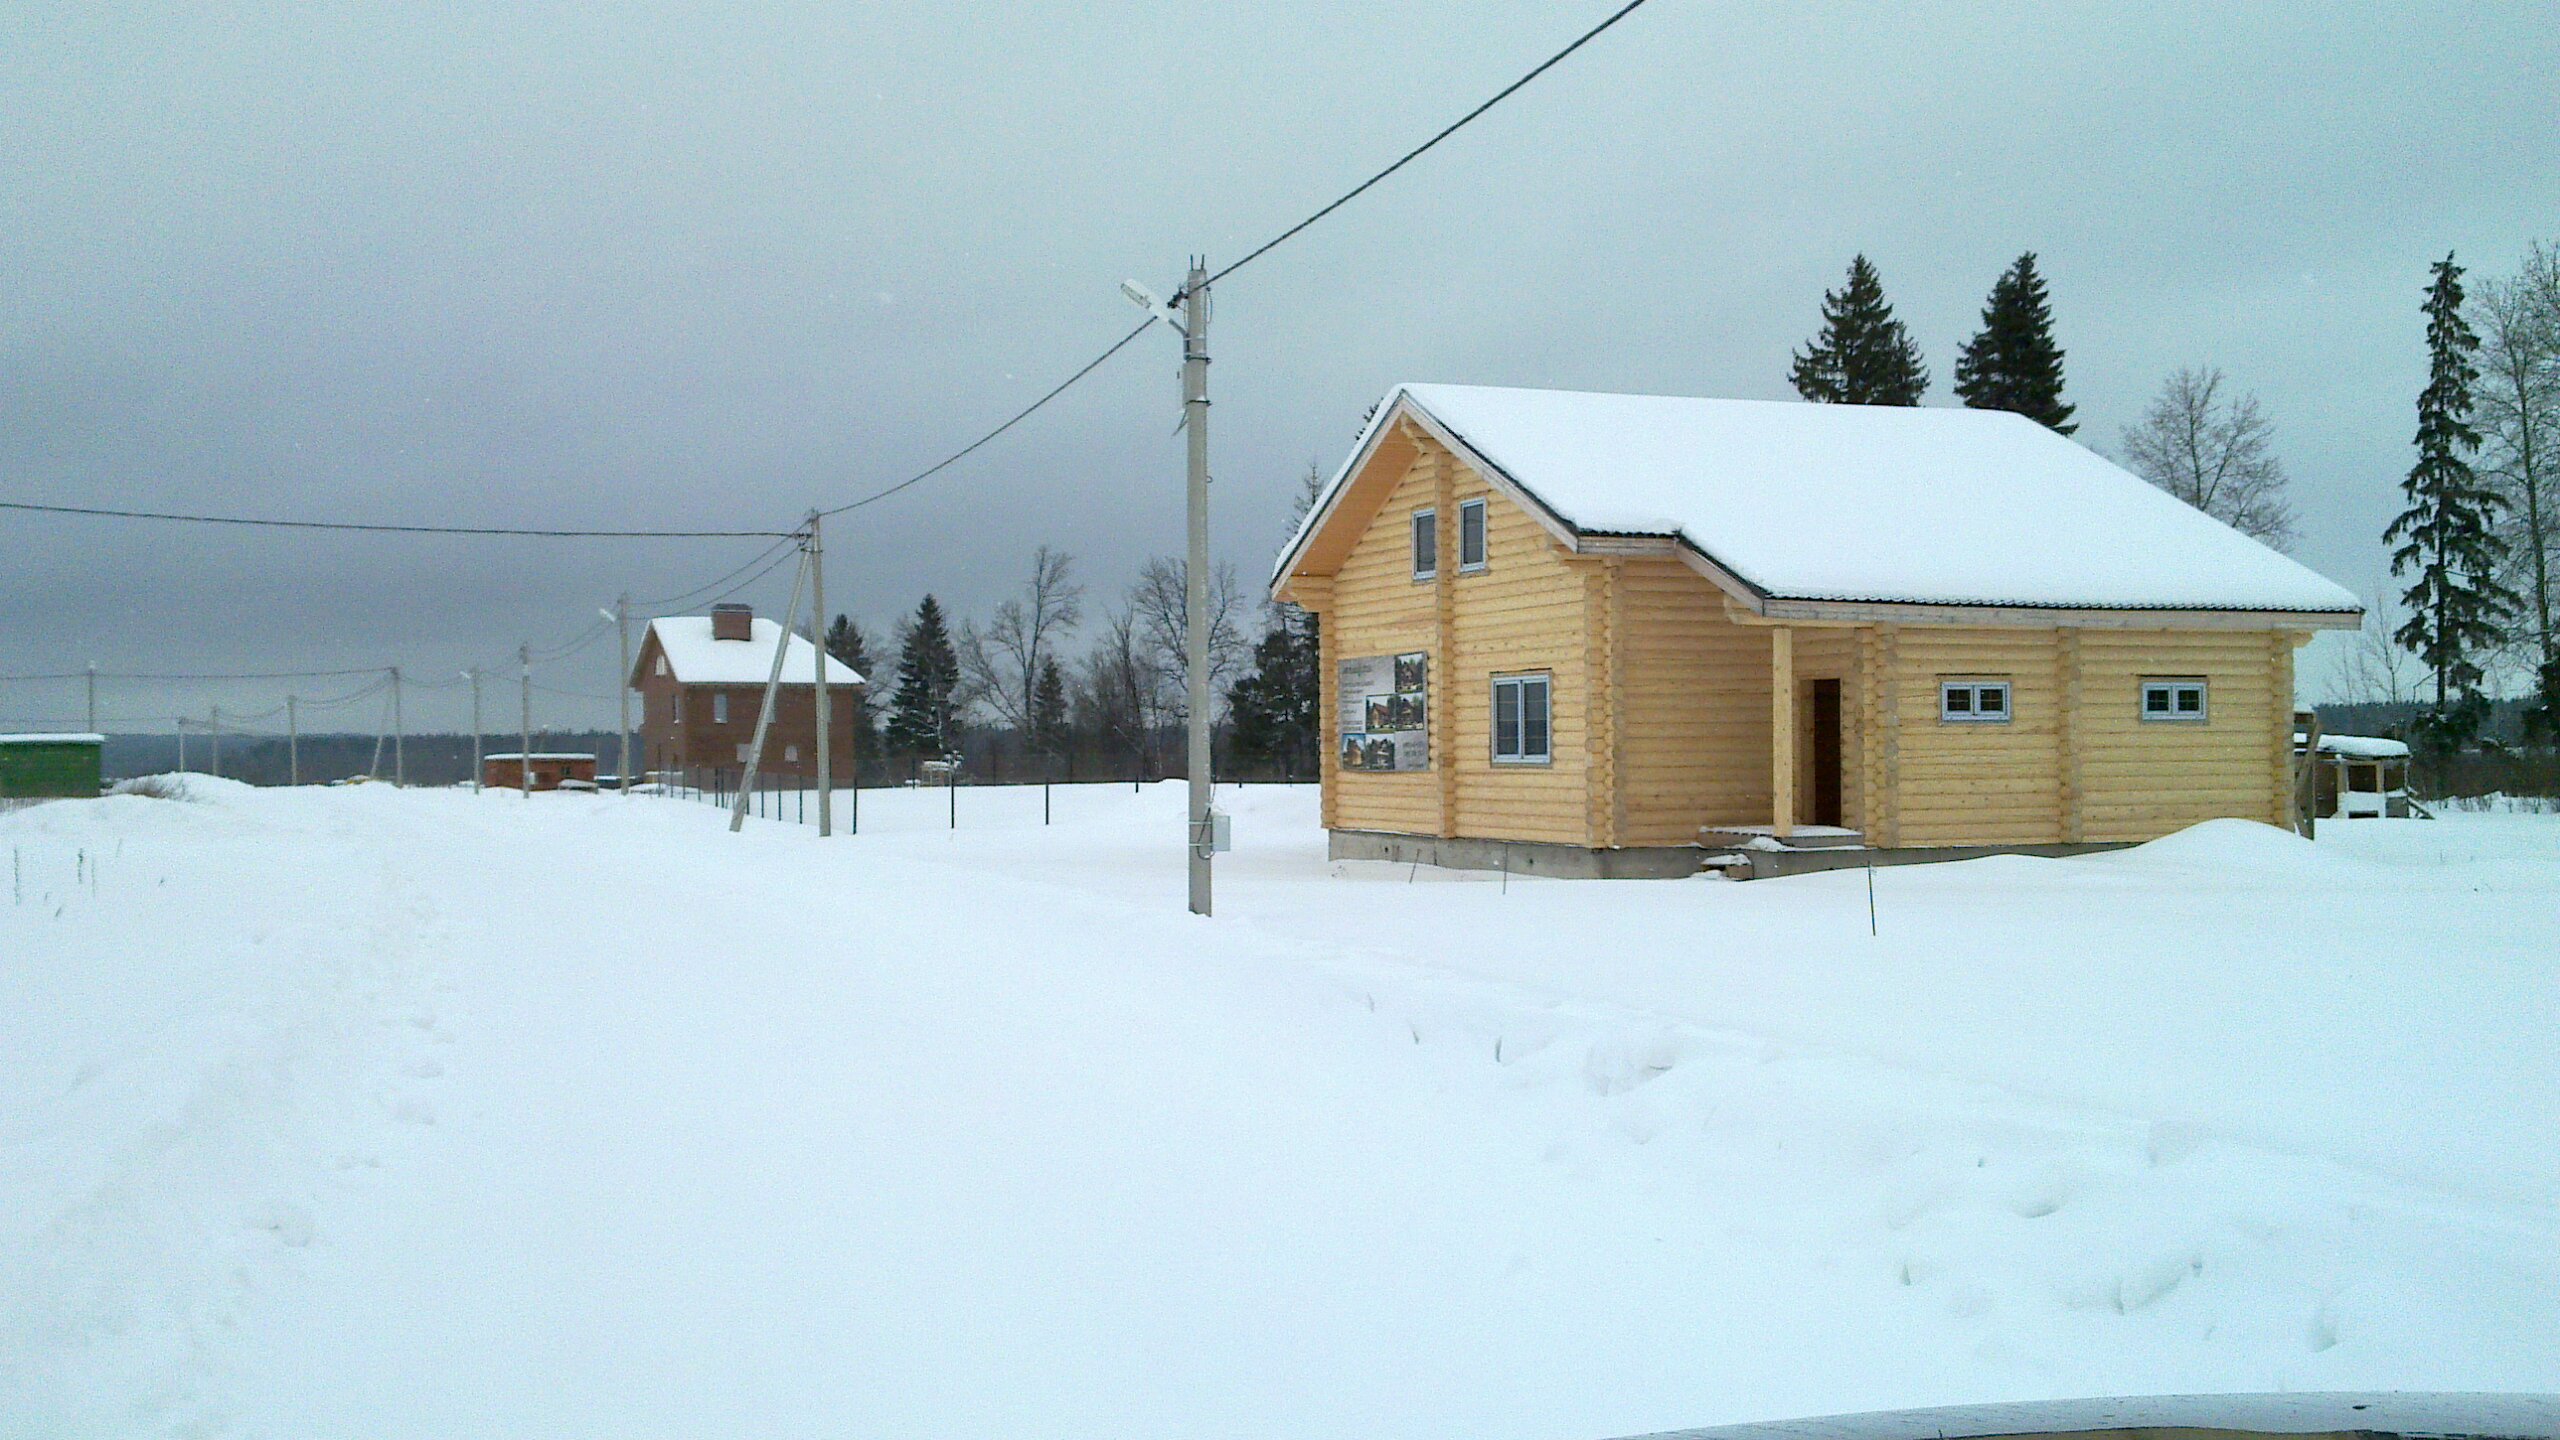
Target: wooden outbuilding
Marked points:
1611	634
2356	776
539	771
52	766
701	680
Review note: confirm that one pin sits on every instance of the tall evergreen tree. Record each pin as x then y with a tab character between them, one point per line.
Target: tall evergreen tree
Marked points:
1271	711
1863	356
2012	362
1050	734
921	715
847	643
2447	537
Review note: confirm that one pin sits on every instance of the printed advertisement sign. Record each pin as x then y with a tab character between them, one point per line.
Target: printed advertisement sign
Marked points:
1383	712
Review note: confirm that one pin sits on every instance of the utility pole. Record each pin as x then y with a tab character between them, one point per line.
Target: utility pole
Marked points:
1195	419
293	739
1193	322
818	628
217	742
473	675
622	686
93	697
524	755
182	744
399	735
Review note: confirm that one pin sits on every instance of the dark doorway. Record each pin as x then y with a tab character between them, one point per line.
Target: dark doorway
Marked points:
1825	753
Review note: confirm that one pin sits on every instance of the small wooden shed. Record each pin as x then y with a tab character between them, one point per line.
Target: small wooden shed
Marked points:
1596	634
538	771
52	765
2356	776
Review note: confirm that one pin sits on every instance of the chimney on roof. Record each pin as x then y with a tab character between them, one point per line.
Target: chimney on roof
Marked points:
733	622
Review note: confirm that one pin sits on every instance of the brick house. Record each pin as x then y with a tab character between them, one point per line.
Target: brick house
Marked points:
701	680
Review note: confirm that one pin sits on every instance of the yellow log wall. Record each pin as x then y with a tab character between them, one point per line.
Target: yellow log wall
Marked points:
2076	761
1694	743
1529	609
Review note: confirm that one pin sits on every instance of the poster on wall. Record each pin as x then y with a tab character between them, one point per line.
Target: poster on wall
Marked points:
1383	712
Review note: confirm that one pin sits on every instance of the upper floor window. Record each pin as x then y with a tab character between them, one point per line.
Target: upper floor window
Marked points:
662	664
2173	700
719	709
1978	702
1426	544
1470	535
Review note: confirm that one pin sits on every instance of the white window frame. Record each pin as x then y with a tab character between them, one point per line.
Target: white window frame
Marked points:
2170	685
1426	522
1974	688
719	707
1517	684
662	665
1474	510
790	754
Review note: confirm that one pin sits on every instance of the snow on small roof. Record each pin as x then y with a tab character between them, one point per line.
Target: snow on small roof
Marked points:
58	738
2363	747
697	659
1864	503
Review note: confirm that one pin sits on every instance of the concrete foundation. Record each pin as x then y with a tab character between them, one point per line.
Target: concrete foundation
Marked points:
1753	864
1520	857
1652	862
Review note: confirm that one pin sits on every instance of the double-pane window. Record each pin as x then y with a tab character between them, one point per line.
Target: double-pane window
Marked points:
1973	702
1426	544
1520	719
2173	700
1471	543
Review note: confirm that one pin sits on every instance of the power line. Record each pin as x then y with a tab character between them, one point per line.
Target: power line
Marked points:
1019	416
244	675
1505	93
343	525
681	598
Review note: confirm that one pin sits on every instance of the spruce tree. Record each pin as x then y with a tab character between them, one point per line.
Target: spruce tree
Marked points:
1049	731
920	715
1863	356
2012	363
849	646
2447	537
1271	711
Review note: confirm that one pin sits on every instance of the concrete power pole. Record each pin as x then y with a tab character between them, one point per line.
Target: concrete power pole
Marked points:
818	628
399	735
524	755
217	742
182	744
473	675
293	739
93	697
1195	419
622	686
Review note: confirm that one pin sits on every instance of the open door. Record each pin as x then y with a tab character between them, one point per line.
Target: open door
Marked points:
1822	752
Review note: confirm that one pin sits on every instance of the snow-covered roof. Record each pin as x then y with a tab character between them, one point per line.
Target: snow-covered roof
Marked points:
2360	747
697	659
1856	503
61	738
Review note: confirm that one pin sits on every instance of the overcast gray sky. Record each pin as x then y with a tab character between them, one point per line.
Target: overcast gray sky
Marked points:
707	266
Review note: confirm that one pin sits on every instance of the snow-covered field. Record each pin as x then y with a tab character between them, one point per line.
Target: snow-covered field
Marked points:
370	1113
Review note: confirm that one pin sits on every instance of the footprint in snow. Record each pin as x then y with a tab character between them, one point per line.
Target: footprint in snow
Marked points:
288	1222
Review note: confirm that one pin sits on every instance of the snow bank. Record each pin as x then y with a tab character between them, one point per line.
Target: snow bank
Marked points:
362	1111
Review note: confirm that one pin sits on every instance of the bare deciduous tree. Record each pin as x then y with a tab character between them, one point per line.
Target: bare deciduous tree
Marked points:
2519	417
1002	662
1120	692
2377	669
1160	604
2214	451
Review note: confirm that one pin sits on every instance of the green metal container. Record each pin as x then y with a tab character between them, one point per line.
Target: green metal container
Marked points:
50	766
